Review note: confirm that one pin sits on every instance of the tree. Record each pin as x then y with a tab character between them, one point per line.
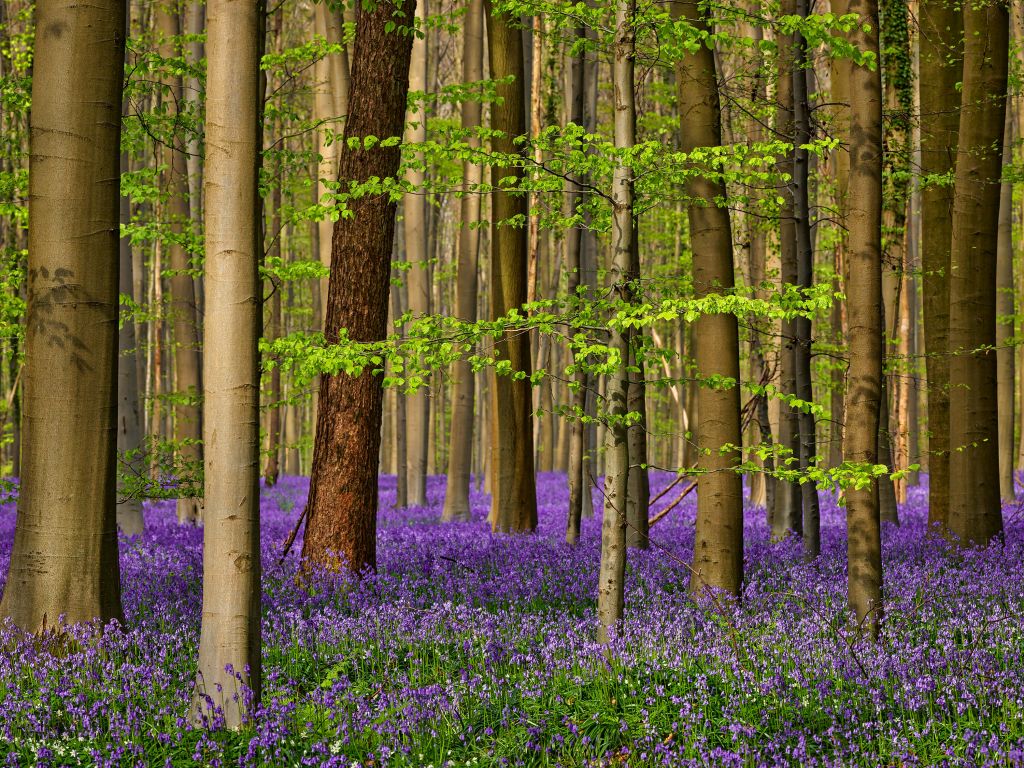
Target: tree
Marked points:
456	499
612	575
788	517
718	545
804	251
64	559
941	68
513	482
863	215
975	514
229	640
341	513
1004	329
187	413
414	209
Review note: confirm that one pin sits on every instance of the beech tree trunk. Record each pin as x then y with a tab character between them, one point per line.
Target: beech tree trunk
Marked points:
341	513
129	423
612	576
64	557
975	514
414	210
1004	328
863	216
718	543
513	482
788	517
230	633
460	452
941	70
811	518
182	305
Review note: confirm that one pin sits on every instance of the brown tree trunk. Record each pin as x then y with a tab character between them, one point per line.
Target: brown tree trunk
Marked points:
718	544
460	454
975	515
513	483
941	67
811	517
273	330
1004	328
612	576
863	217
64	558
788	518
129	424
182	306
414	210
341	514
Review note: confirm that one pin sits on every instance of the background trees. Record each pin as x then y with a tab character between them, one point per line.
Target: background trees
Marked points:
579	250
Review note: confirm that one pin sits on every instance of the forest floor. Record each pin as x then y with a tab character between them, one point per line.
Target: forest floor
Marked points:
468	648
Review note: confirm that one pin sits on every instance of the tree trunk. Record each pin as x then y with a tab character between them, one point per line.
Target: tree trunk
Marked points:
330	102
718	544
414	210
612	576
975	515
513	483
1004	328
788	518
460	454
941	67
863	218
230	633
129	425
811	519
272	468
64	559
182	306
341	513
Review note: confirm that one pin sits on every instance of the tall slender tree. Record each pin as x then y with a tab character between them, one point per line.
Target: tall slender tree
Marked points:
941	69
513	482
229	639
1005	352
64	559
718	546
182	305
811	518
863	218
788	517
975	514
414	210
611	579
341	513
460	452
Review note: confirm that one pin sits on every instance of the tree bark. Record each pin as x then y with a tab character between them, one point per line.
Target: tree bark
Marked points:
341	513
129	424
64	558
811	519
230	633
612	576
788	518
941	67
718	544
1005	352
414	210
975	514
513	483
182	305
460	454
863	215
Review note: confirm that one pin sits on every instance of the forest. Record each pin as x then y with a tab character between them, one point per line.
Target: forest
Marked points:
436	383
